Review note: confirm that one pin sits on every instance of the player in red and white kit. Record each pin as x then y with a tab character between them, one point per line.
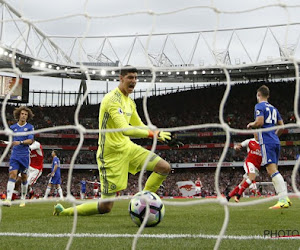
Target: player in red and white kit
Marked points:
251	166
198	185
36	165
35	169
96	186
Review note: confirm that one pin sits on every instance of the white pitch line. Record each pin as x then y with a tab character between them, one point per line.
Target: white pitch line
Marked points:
158	236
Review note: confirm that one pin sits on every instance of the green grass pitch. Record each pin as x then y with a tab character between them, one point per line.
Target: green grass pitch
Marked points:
206	219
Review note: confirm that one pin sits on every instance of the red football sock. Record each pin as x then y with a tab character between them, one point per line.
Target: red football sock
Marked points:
14	196
243	187
234	191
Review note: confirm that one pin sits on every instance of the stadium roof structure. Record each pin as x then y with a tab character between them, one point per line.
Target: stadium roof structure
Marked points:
27	64
195	59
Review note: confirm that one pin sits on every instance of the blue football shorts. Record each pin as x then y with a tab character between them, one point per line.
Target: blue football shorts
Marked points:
270	153
21	164
55	180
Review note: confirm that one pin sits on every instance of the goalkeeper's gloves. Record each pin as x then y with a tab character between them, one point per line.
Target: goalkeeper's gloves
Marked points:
161	135
174	142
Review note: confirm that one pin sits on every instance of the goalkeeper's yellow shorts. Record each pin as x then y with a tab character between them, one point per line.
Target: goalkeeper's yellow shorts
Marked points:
115	166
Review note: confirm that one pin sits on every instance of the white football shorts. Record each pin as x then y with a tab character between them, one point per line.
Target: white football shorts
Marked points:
33	175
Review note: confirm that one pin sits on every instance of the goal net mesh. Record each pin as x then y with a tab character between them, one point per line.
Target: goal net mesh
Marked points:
157	57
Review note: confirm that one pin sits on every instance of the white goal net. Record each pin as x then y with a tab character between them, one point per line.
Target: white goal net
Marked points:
169	42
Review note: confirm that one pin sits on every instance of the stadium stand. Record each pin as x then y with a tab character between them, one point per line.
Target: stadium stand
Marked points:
195	107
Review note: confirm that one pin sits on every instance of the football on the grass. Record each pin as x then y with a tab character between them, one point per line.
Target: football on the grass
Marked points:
138	206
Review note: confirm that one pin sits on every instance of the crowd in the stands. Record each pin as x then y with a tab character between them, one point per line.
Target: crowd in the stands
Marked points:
229	177
194	107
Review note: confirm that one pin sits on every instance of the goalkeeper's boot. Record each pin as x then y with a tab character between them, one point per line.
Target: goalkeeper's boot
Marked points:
289	201
7	203
22	204
58	208
280	204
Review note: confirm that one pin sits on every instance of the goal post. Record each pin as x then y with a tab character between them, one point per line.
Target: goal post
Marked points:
266	187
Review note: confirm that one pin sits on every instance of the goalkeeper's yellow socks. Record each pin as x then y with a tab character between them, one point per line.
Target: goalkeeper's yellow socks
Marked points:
82	210
154	181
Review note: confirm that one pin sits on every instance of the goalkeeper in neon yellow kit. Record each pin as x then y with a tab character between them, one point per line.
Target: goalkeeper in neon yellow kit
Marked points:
117	154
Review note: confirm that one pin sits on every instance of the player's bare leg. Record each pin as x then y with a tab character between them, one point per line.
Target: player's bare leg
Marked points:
159	174
162	167
31	192
105	207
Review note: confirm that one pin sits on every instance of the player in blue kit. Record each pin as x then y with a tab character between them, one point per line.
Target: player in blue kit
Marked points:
55	178
20	155
83	188
267	116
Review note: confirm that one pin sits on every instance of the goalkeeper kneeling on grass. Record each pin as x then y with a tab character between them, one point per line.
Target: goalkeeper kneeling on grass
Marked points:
117	155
